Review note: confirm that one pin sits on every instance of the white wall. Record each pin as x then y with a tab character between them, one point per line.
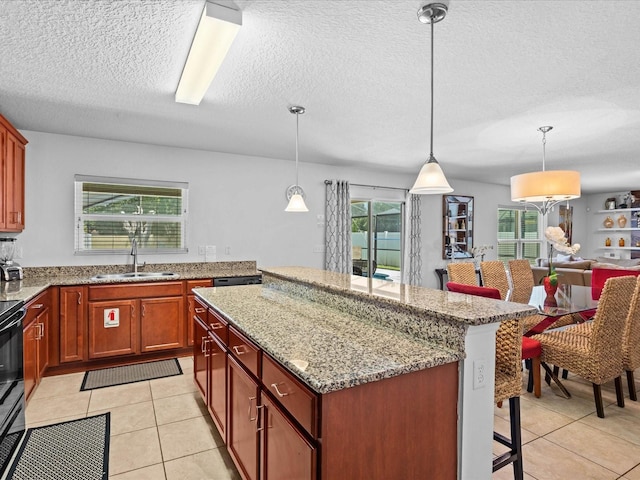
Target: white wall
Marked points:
234	201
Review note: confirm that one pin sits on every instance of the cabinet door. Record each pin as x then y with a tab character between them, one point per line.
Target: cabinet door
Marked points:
242	434
73	324
30	355
42	322
285	451
191	306
199	357
217	403
113	328
3	177
14	184
161	324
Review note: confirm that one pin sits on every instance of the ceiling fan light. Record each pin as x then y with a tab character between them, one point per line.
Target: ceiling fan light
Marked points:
431	180
296	204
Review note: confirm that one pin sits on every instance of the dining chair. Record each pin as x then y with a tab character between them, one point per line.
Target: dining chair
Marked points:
594	350
462	272
508	377
631	342
494	275
531	348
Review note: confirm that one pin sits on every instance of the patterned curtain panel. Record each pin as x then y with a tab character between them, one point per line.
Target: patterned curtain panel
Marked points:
338	231
412	265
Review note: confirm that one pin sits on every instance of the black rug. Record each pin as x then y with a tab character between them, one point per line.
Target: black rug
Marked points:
139	372
75	450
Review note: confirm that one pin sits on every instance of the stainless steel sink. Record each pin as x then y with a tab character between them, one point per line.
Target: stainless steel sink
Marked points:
121	276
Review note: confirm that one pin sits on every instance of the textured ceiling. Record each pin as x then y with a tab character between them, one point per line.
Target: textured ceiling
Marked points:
109	69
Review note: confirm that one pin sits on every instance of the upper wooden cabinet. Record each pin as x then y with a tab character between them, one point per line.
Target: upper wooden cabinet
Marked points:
12	148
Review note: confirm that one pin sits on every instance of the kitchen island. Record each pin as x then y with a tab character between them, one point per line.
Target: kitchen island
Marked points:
364	378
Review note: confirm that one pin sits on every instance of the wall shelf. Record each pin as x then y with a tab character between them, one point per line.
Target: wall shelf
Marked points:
617	248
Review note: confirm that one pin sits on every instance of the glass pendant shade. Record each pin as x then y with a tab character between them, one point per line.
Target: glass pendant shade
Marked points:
546	185
296	204
431	180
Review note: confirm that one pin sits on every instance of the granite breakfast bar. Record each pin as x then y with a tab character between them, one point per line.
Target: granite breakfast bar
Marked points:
384	370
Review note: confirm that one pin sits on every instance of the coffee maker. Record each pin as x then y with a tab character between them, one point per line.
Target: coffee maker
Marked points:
9	270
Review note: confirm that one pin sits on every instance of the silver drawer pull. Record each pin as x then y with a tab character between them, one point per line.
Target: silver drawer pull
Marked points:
258	411
37	306
251	419
216	326
200	310
240	349
280	394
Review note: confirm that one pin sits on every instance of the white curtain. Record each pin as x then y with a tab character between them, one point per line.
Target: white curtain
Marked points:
412	265
338	230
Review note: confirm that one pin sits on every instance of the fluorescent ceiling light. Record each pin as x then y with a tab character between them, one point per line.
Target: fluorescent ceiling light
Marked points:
216	31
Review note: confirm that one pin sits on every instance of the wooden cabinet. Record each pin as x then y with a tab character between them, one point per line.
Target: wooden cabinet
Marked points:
35	341
285	453
242	435
161	324
113	328
191	305
73	324
210	366
128	319
12	155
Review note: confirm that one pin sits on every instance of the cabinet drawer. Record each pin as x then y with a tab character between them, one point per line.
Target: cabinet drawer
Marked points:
245	351
294	397
135	290
191	284
200	311
35	306
218	326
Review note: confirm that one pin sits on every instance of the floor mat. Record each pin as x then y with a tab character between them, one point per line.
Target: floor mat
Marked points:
74	450
108	377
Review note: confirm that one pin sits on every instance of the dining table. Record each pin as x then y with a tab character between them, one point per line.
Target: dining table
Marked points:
575	300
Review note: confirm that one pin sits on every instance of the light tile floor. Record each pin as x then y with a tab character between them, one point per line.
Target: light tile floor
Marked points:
564	439
160	429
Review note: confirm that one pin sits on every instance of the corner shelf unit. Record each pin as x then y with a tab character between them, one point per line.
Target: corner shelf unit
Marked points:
630	233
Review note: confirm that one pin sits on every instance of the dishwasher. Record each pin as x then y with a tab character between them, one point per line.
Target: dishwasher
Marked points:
235	281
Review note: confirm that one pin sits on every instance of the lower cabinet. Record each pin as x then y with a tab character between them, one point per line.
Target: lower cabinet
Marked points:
35	341
161	324
73	324
285	452
113	328
242	435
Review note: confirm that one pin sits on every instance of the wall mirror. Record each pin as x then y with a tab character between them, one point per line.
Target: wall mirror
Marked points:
457	227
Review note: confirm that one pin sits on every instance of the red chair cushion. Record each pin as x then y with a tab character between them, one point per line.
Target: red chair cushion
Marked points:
530	348
488	292
600	275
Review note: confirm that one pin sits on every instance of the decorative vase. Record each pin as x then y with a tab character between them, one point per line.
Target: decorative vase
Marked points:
607	242
622	221
621	242
549	289
608	222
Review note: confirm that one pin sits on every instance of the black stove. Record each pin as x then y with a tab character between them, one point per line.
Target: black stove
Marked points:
8	307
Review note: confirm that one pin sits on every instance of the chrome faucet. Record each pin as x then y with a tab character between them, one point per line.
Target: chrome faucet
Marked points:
134	253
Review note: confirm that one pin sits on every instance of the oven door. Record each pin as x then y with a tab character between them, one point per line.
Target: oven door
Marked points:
12	421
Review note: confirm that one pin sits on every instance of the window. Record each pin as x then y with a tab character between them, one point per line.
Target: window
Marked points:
111	212
518	234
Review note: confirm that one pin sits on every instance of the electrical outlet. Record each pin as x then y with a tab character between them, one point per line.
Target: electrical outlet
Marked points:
200	249
210	254
479	373
227	250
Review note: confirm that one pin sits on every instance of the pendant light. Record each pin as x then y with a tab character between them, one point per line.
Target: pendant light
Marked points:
547	187
431	179
295	194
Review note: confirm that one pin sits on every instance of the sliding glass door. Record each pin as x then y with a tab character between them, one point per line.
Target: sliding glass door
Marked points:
376	238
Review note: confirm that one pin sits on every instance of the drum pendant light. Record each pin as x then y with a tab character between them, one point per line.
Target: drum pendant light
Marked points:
548	187
431	179
295	194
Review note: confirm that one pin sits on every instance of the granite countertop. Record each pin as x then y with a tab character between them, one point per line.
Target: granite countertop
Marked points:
38	279
326	349
443	305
